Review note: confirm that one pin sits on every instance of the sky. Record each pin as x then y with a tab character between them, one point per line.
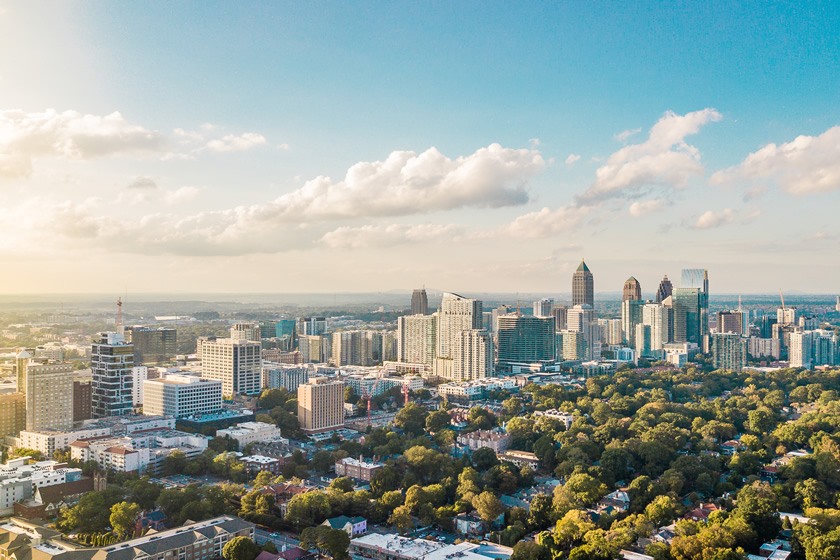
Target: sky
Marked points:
300	147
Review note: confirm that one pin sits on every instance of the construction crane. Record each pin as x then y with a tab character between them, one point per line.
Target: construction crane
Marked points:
368	395
782	298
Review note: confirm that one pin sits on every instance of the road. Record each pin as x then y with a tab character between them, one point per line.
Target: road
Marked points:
280	540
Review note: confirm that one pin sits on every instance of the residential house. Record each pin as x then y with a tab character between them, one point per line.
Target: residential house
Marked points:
353	526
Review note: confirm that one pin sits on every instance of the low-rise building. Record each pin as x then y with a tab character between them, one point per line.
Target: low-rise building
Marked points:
251	432
257	463
353	526
357	468
182	396
497	440
20	479
565	418
520	458
477	388
142	451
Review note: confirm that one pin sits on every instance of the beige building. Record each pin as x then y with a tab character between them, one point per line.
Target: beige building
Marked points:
12	414
236	363
321	405
49	396
416	337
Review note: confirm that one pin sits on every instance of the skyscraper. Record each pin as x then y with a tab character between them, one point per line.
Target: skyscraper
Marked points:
49	397
321	405
729	351
456	315
581	318
665	289
236	363
312	325
472	355
542	307
687	311
246	332
698	278
631	315
525	339
583	286
152	346
419	302
416	337
632	290
111	360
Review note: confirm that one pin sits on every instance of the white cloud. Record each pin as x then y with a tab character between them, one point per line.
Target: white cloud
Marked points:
146	190
142	183
805	165
546	222
664	159
388	235
642	207
572	159
236	142
410	183
711	219
625	135
68	134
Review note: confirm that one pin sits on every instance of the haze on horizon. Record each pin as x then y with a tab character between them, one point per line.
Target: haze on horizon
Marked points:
355	148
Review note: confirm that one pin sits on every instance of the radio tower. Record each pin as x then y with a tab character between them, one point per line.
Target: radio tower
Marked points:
120	328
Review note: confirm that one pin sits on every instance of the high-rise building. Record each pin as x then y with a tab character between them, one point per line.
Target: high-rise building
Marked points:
49	397
698	278
611	332
837	305
111	360
152	346
181	396
581	318
456	315
419	302
247	332
808	349
82	398
643	341
729	351
631	315
312	325
236	363
315	348
632	290
687	315
472	355
416	338
571	345
12	414
665	290
655	315
139	374
346	348
524	339
583	286
787	316
22	360
732	322
559	312
321	405
542	307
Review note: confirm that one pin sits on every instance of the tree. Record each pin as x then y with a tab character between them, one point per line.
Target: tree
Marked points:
174	463
411	419
662	510
263	478
401	519
240	548
484	458
310	508
330	542
758	505
343	484
488	506
437	420
525	550
123	519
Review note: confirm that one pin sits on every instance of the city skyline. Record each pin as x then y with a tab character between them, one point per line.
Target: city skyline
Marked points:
359	149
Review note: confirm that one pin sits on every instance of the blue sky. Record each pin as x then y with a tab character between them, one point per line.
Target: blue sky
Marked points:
470	146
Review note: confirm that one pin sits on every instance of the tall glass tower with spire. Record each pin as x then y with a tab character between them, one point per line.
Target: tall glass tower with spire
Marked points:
583	286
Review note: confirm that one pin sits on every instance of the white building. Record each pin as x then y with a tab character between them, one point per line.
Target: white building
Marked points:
542	307
139	374
19	480
581	318
476	388
284	375
472	356
457	314
655	315
251	432
111	360
50	441
236	363
565	418
416	339
142	451
182	395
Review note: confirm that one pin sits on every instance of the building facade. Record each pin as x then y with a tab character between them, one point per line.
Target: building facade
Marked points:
583	286
182	396
321	405
111	360
236	363
49	396
416	338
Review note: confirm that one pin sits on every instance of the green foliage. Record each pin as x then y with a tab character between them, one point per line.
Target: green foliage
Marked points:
240	548
123	518
330	542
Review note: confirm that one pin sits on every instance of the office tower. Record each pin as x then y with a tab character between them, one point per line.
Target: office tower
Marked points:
487	322
152	346
12	414
389	347
687	315
472	355
668	304
643	341
765	326
764	347
416	338
632	290
583	286
312	325
321	405
631	315
456	315
655	315
495	314
236	363
729	351
665	290
181	396
581	318
731	322
572	344
22	359
542	307
611	331
559	312
698	278
49	397
111	360
787	316
315	349
524	339
285	327
246	332
419	302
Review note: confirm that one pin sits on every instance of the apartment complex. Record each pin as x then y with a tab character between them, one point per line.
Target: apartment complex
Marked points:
321	405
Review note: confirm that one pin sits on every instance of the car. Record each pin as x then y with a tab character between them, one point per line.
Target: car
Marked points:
441	539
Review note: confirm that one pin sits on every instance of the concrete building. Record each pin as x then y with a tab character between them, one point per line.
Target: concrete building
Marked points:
632	290
182	396
290	377
542	308
475	389
312	326
82	396
581	319
523	338
111	360
321	405
457	314
314	349
764	347
729	351
583	286
416	338
12	414
251	432
419	302
472	356
19	480
139	374
246	332
656	316
152	345
140	451
497	440
49	441
49	396
236	363
357	468
809	349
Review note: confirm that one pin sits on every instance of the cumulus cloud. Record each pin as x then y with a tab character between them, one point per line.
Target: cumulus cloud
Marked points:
410	183
68	134
388	235
236	142
664	159
642	207
805	165
713	219
146	190
546	222
572	159
142	183
625	135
